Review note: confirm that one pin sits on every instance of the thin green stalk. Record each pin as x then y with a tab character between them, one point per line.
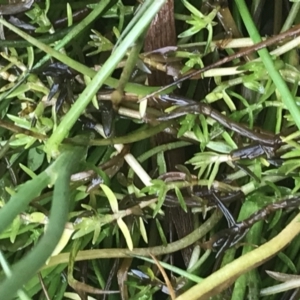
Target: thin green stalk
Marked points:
162	148
282	87
140	134
174	269
46	39
117	95
35	259
158	250
291	16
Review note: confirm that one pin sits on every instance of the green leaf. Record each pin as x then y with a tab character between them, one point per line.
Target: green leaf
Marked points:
20	121
154	188
200	136
38	217
214	96
220	147
275	219
100	42
296	184
161	163
289	166
15	228
228	101
143	230
96	234
86	226
28	171
161	198
213	174
186	124
192	9
180	199
35	159
123	227
204	127
288	262
161	232
80	195
146	270
111	197
253	66
191	31
65	238
291	154
254	86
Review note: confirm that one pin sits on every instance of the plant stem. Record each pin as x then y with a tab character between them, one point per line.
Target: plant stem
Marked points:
291	17
158	250
266	58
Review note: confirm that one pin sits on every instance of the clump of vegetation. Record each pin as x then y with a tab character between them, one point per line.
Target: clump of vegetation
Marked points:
96	203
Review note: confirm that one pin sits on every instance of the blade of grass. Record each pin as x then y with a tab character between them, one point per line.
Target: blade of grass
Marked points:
291	17
174	269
